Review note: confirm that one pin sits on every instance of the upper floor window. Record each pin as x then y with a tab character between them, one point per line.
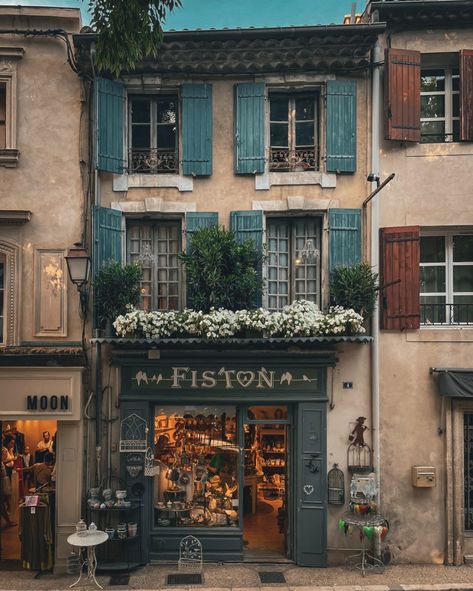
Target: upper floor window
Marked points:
293	264
154	134
3	115
2	299
293	132
446	279
156	245
440	104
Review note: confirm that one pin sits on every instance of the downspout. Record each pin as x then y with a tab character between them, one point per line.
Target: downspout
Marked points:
375	170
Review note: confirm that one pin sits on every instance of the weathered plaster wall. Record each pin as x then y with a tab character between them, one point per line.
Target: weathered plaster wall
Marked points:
47	179
432	188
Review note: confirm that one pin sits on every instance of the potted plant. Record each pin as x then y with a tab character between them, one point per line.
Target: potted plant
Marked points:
355	287
116	287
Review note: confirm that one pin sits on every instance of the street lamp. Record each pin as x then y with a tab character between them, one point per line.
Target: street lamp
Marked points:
78	266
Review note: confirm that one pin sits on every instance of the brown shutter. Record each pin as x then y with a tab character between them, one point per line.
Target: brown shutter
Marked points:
466	95
402	95
400	256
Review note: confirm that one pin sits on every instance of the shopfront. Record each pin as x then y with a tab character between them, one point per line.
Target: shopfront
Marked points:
231	449
40	412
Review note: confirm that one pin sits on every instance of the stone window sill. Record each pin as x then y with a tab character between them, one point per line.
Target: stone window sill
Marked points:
265	181
124	182
445	334
9	157
439	150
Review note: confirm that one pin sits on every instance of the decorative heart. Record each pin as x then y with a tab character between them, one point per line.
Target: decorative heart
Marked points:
245	378
308	489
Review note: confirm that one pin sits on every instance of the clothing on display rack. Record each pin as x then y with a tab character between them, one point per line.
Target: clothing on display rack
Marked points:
36	537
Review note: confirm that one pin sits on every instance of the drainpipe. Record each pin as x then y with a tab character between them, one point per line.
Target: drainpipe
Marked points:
375	170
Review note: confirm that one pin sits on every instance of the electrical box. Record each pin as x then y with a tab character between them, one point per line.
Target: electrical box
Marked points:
424	476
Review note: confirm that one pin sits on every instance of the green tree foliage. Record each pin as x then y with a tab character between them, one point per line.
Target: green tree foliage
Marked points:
221	272
127	31
116	287
355	287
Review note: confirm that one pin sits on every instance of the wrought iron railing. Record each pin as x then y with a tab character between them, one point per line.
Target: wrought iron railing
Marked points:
152	161
446	314
298	160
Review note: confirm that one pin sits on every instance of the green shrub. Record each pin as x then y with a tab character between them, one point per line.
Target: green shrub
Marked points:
221	272
115	287
355	287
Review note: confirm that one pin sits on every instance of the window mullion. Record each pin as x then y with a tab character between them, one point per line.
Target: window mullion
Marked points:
292	129
448	104
449	276
292	261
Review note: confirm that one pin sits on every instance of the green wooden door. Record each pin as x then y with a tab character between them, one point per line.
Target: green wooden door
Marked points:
311	485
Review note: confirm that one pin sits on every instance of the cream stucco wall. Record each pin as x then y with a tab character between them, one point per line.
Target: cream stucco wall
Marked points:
432	188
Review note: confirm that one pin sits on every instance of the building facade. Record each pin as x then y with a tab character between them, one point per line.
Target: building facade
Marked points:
41	216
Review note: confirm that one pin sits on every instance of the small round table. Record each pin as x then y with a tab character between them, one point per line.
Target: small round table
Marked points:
89	540
364	561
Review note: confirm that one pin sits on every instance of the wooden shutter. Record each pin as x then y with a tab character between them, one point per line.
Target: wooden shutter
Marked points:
344	237
402	95
249	128
399	277
341	126
466	95
107	236
197	129
109	99
248	225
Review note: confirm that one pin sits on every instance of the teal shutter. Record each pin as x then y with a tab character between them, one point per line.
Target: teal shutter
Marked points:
249	128
107	236
197	129
341	126
109	99
248	225
344	237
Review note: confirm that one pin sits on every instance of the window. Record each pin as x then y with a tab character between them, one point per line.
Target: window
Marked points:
3	115
293	132
196	449
155	246
446	279
9	58
154	134
293	264
440	104
2	299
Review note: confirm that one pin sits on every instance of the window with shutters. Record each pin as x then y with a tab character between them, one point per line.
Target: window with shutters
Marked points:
293	131
440	103
2	299
155	246
153	134
446	278
293	261
9	57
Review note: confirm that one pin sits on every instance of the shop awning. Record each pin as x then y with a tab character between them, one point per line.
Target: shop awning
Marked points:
454	382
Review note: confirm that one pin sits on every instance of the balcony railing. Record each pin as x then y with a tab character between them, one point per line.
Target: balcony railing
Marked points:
299	160
152	161
446	314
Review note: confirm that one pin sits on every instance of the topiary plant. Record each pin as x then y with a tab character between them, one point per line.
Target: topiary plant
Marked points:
355	287
115	287
221	272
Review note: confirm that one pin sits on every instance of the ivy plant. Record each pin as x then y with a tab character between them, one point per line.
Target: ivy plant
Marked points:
128	31
355	287
115	288
221	272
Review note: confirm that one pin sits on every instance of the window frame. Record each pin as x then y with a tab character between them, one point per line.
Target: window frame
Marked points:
445	62
153	96
449	265
291	221
154	281
9	57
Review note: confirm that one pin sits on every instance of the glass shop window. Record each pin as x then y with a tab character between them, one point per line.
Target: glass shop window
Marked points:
196	466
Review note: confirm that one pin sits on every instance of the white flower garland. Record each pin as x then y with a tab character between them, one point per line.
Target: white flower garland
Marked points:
299	319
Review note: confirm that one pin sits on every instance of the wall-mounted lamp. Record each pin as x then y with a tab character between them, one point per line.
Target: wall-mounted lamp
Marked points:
78	266
307	252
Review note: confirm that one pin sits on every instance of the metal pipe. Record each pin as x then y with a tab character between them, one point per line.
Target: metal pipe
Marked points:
375	148
98	411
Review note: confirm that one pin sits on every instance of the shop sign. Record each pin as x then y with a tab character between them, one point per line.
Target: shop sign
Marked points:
57	403
225	378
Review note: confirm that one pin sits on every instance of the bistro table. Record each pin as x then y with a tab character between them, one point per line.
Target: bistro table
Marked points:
364	561
88	540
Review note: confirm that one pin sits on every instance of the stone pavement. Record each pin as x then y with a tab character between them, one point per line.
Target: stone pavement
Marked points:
244	577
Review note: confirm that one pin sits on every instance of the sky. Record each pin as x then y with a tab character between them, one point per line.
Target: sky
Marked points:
206	14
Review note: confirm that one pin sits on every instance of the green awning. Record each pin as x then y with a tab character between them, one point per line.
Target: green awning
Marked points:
455	382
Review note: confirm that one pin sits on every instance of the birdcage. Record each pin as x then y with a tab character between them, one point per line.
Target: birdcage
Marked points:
336	486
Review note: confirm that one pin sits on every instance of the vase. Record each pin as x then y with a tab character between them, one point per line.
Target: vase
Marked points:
109	329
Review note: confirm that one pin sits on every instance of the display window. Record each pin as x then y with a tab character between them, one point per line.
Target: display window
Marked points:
196	466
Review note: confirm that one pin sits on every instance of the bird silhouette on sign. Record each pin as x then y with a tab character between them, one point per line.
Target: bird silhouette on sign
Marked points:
286	377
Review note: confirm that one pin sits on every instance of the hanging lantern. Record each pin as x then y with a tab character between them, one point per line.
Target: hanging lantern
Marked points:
336	486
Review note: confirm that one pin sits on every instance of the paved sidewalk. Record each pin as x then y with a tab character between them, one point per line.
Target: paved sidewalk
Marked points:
244	577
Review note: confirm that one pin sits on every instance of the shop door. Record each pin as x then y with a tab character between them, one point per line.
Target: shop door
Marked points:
311	485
